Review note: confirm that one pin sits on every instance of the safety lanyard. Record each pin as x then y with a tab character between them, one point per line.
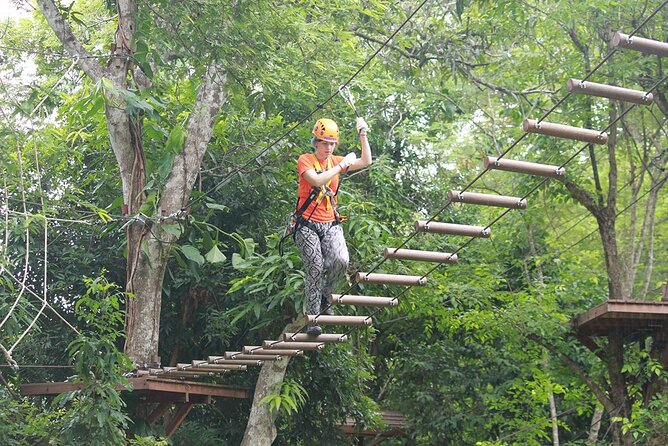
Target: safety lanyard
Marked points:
324	188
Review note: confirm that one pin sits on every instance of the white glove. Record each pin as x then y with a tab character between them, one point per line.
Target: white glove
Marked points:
348	160
361	125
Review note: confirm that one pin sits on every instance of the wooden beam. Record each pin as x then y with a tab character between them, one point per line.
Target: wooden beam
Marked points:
147	384
215	390
589	343
176	419
158	412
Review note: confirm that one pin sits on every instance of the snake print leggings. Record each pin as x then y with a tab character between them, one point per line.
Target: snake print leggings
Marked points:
325	255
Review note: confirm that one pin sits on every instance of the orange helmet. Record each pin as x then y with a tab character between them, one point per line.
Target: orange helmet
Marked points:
326	130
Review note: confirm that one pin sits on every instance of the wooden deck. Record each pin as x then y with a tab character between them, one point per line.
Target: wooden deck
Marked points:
393	420
162	389
622	315
174	398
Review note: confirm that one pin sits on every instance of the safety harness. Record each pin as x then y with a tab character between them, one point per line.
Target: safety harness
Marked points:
296	219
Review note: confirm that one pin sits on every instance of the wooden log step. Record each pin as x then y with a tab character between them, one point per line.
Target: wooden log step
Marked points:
564	131
609	91
371	301
436	227
425	256
236	356
390	279
219	368
204	367
543	170
323	319
304	337
258	350
180	374
270	345
224	361
646	46
503	201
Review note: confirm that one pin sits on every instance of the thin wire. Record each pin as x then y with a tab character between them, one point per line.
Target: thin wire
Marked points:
481	173
344	85
38	366
46	254
227	177
15	279
27	241
484	171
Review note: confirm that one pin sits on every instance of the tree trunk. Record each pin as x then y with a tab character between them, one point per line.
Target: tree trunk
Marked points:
595	425
148	246
151	252
261	428
618	392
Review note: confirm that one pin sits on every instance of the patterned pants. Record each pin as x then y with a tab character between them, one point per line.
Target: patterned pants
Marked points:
325	255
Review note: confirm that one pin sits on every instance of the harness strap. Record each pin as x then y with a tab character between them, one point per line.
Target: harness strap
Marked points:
324	190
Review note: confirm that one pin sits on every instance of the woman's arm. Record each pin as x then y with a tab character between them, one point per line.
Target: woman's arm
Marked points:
366	159
318	179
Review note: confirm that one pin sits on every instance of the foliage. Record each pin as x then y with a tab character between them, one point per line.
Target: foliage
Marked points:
286	398
24	423
96	415
463	358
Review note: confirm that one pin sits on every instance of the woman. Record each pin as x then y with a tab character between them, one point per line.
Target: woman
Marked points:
319	236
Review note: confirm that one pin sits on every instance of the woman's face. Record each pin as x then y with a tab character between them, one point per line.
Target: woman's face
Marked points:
324	149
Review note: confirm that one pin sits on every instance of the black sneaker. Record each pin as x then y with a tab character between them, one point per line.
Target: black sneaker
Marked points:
314	330
327	308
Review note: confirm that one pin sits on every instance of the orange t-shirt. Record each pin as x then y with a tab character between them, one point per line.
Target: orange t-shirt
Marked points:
323	211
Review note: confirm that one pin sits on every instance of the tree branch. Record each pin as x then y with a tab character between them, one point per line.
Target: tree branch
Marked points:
210	98
598	391
583	197
62	29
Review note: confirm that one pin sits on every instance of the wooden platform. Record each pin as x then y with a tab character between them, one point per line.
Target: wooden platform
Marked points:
158	389
174	398
626	315
393	420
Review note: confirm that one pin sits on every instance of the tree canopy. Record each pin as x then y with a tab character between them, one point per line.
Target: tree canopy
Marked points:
148	163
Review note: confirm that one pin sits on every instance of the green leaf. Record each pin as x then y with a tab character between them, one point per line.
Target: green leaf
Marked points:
192	253
175	230
220	207
237	261
175	140
215	256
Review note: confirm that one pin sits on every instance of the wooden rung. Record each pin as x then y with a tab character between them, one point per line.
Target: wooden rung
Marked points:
236	356
305	337
270	345
390	279
204	367
564	131
452	229
371	301
218	368
503	201
647	46
257	350
609	91
543	170
425	256
180	374
323	319
235	362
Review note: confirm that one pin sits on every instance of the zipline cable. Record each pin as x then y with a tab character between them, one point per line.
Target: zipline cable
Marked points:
507	211
227	177
506	151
